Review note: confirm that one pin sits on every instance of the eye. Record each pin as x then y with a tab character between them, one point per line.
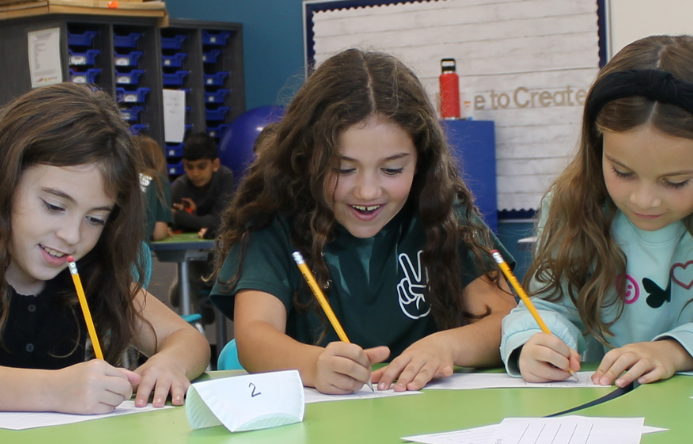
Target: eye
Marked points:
393	171
345	171
96	221
621	174
676	185
52	208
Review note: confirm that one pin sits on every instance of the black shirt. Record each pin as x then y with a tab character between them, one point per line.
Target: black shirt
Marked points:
42	332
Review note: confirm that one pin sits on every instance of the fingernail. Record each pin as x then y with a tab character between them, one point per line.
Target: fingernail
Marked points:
382	386
140	403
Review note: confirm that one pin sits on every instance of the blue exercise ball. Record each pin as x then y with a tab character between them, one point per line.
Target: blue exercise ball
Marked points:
236	143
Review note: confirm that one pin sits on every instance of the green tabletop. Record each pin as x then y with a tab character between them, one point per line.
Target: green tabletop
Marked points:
383	420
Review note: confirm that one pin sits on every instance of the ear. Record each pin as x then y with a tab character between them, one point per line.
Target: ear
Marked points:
216	163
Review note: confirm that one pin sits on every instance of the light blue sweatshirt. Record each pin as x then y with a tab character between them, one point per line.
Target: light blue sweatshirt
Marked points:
659	284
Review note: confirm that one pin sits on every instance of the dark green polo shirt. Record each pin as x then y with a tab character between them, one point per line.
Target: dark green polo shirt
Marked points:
377	284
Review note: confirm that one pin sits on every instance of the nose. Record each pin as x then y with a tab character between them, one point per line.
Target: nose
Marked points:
70	231
645	197
367	187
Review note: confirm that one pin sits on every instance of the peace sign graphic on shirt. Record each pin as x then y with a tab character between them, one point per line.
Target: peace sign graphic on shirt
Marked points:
410	289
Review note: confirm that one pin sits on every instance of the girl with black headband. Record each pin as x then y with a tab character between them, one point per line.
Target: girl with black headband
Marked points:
613	271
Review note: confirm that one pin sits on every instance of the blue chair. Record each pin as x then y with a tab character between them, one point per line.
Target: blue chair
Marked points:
228	358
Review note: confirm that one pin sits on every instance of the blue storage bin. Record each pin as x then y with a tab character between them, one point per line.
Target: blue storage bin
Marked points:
216	79
217	131
175	42
87	58
216	96
217	114
131	114
88	76
174	150
215	38
130	59
137	128
128	78
173	61
84	39
126	41
211	56
175	168
174	79
136	96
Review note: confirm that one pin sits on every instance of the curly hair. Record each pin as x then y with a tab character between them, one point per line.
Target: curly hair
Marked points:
290	176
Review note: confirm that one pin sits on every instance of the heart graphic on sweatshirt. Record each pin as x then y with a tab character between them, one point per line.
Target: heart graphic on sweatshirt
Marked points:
682	274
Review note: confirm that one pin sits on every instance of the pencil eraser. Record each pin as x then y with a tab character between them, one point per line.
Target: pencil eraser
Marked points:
70	259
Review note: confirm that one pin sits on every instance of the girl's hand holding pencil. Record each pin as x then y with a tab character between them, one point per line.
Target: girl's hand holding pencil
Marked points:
544	357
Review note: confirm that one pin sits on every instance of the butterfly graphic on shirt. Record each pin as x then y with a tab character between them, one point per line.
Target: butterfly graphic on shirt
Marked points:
656	295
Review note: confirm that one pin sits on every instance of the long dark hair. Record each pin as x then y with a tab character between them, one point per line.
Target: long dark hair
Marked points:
65	125
576	246
290	176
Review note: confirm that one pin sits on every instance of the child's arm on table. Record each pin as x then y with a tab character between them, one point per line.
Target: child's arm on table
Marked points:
177	354
473	345
260	325
545	357
92	387
643	361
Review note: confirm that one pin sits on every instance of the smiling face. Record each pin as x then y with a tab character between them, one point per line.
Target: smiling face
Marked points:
649	176
56	212
377	167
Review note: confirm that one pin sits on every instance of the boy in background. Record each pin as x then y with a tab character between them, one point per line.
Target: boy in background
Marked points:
199	198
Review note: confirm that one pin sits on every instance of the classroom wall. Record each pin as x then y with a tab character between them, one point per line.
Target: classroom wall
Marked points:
634	19
272	42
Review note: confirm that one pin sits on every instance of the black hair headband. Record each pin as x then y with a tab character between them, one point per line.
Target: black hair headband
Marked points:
657	85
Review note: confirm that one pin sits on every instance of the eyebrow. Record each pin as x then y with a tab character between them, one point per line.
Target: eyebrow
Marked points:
673	173
69	198
387	159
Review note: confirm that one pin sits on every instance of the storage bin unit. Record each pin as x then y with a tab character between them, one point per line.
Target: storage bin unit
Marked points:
204	59
115	53
133	58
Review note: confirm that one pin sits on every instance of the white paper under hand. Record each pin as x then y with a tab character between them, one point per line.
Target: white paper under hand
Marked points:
248	402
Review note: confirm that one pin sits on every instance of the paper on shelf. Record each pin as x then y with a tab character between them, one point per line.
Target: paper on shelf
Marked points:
248	402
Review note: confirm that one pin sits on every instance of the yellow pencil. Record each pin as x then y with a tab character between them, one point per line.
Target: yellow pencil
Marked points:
85	307
310	279
521	292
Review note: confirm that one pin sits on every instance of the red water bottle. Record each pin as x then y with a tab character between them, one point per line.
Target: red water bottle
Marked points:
449	90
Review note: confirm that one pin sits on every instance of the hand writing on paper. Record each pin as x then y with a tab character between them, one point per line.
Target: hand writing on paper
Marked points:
344	368
161	377
644	361
91	387
546	358
427	358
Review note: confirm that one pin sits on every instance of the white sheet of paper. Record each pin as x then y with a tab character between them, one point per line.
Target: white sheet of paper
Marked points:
174	115
32	420
248	402
44	57
469	381
485	434
569	430
477	435
312	395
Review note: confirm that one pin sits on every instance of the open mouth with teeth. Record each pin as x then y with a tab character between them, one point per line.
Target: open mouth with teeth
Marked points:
365	209
52	252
